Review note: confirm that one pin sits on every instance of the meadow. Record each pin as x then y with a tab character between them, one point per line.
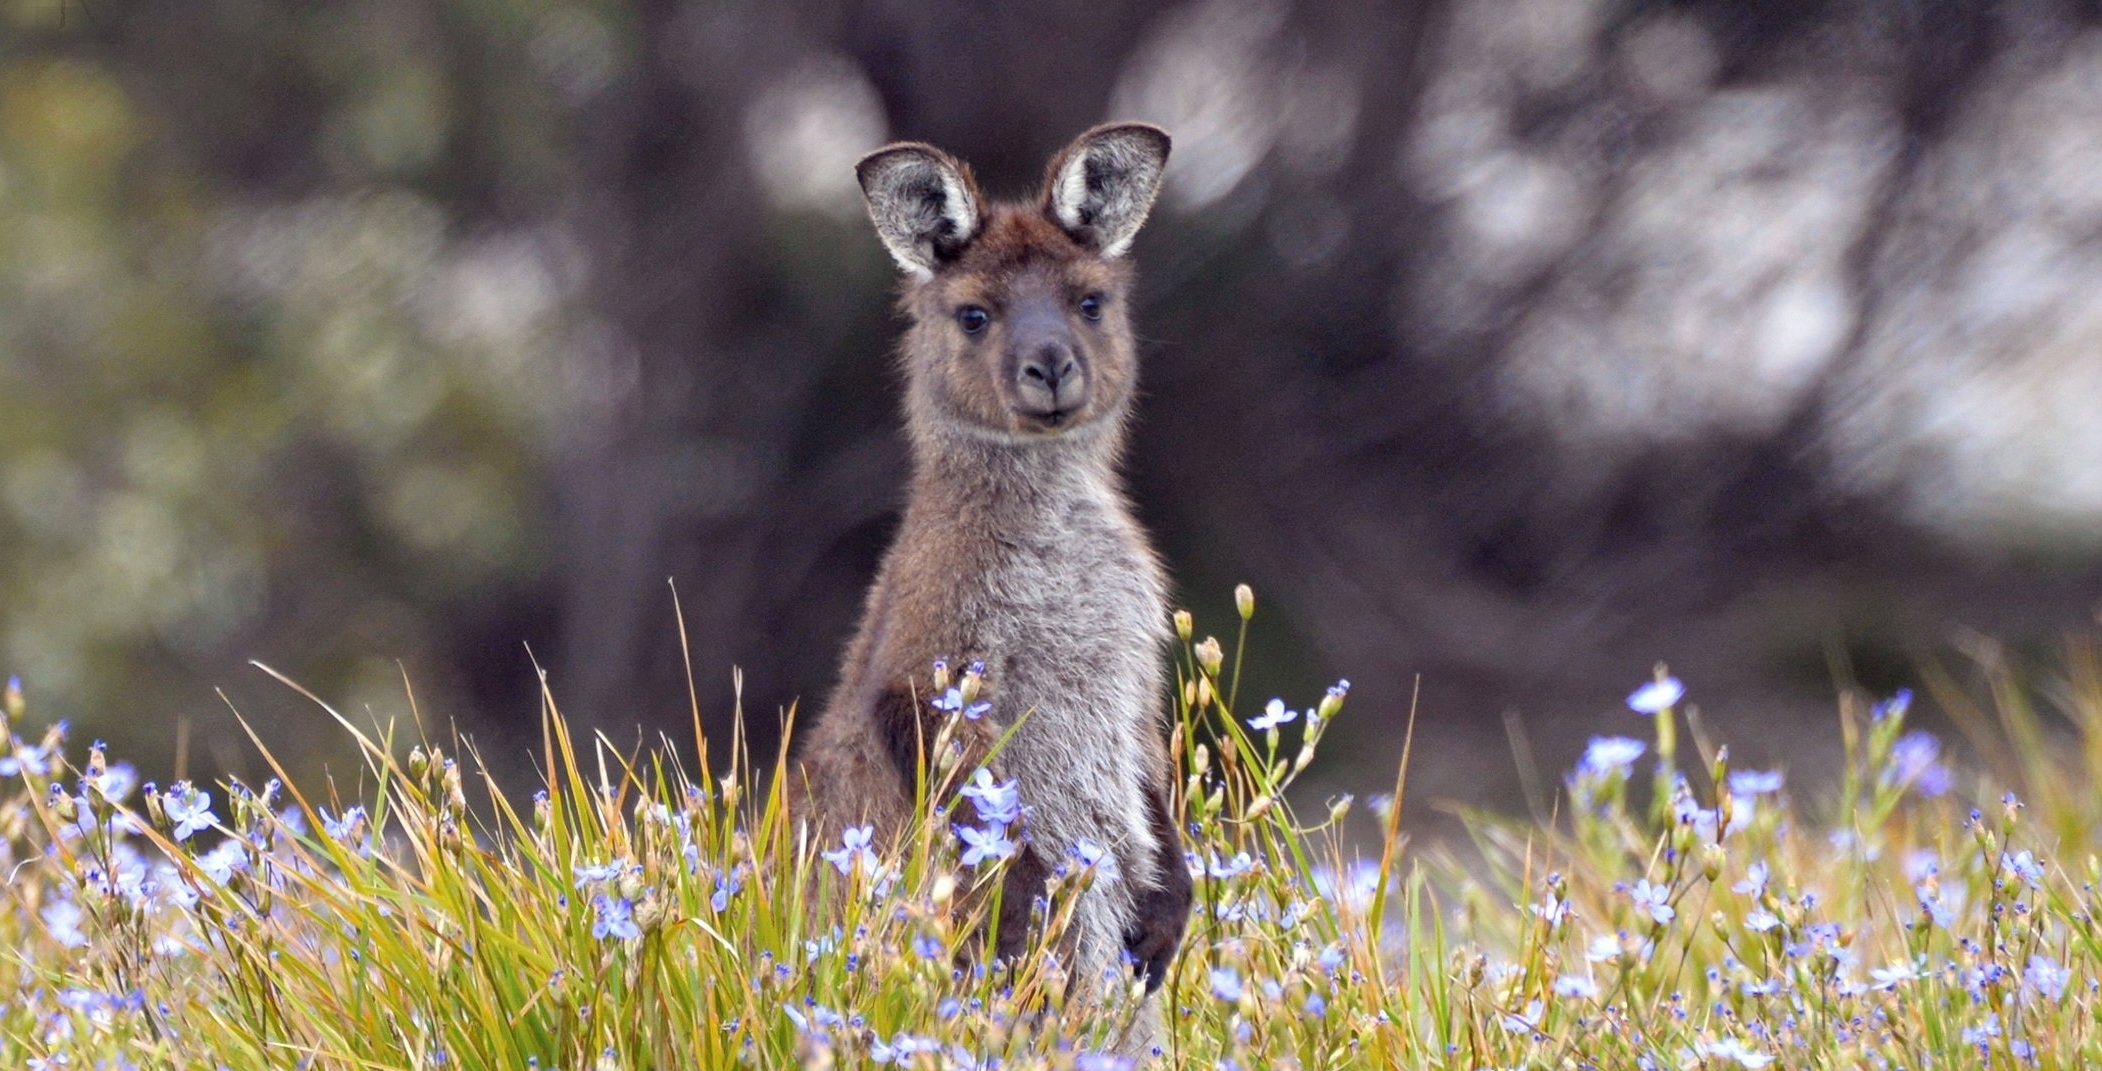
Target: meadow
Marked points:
641	912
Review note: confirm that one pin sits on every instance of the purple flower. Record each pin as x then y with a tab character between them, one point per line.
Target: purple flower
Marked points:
997	803
983	844
855	846
1733	1049
190	809
2045	977
1755	782
1653	900
599	872
615	919
1911	757
1611	754
63	917
952	700
1894	707
1226	983
2022	864
1656	696
1274	714
727	884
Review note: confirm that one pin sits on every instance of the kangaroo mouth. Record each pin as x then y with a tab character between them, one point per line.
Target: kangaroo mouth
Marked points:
1048	421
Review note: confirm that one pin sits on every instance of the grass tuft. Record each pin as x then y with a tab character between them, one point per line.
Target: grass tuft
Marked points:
1678	912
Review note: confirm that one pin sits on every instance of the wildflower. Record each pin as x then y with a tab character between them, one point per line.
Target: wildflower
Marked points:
1733	1049
1102	1061
1755	782
1086	852
62	918
997	803
1894	707
1226	984
983	844
1608	755
227	858
727	884
1982	1034
952	700
1316	1007
1577	986
901	1048
1656	696
1353	888
2024	865
2045	977
855	848
1525	1022
1890	977
1240	864
346	829
32	760
1274	714
1655	900
615	918
188	809
1911	757
1604	947
598	872
1754	883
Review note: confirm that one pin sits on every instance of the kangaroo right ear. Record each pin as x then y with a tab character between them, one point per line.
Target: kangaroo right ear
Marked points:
923	202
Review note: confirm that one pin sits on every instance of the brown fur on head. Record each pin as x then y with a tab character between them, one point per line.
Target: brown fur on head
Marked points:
1020	324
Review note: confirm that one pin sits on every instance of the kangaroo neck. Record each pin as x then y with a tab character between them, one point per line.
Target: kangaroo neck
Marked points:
1006	486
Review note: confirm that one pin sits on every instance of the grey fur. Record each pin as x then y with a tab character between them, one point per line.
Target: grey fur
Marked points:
922	202
1102	188
1018	545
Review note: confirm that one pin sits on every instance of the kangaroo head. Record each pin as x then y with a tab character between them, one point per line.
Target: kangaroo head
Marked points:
1020	311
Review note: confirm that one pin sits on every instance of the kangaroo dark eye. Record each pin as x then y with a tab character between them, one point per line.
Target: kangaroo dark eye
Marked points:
972	319
1091	306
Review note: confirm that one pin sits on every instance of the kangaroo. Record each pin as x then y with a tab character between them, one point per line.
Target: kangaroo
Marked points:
1018	547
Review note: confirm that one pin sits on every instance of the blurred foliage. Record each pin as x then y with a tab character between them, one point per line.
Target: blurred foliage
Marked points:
1515	344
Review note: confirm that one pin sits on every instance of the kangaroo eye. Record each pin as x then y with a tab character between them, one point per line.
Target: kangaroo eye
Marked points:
972	319
1091	306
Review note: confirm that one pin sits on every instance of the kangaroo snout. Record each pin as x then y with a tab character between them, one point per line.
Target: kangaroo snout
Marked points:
1050	381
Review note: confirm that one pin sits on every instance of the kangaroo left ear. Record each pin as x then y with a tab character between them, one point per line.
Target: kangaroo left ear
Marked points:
1101	187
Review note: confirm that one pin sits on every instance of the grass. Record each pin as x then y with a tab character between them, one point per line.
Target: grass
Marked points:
1677	913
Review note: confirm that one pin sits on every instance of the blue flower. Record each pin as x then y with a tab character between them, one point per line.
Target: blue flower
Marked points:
348	828
856	840
1611	754
1911	758
1654	900
1274	714
1656	696
997	803
2024	865
1733	1049
599	872
63	917
952	700
983	844
1755	782
189	809
1086	852
1754	883
2046	977
727	885
1226	983
29	759
1894	707
615	919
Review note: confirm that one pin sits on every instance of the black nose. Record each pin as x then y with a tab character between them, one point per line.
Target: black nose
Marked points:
1051	366
1051	380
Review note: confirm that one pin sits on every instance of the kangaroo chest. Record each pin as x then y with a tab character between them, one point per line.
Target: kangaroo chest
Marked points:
1072	630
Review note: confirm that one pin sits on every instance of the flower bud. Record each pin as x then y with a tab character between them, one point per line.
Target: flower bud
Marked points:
1210	656
1332	702
941	674
1203	693
943	889
1339	806
419	762
1185	625
64	806
1244	600
15	703
1711	861
1721	771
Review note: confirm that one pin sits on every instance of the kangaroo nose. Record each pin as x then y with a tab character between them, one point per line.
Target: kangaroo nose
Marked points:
1051	366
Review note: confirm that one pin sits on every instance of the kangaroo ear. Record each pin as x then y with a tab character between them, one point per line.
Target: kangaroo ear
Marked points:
1101	187
923	202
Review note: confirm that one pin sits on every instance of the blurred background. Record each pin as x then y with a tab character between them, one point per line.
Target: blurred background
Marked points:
1507	346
